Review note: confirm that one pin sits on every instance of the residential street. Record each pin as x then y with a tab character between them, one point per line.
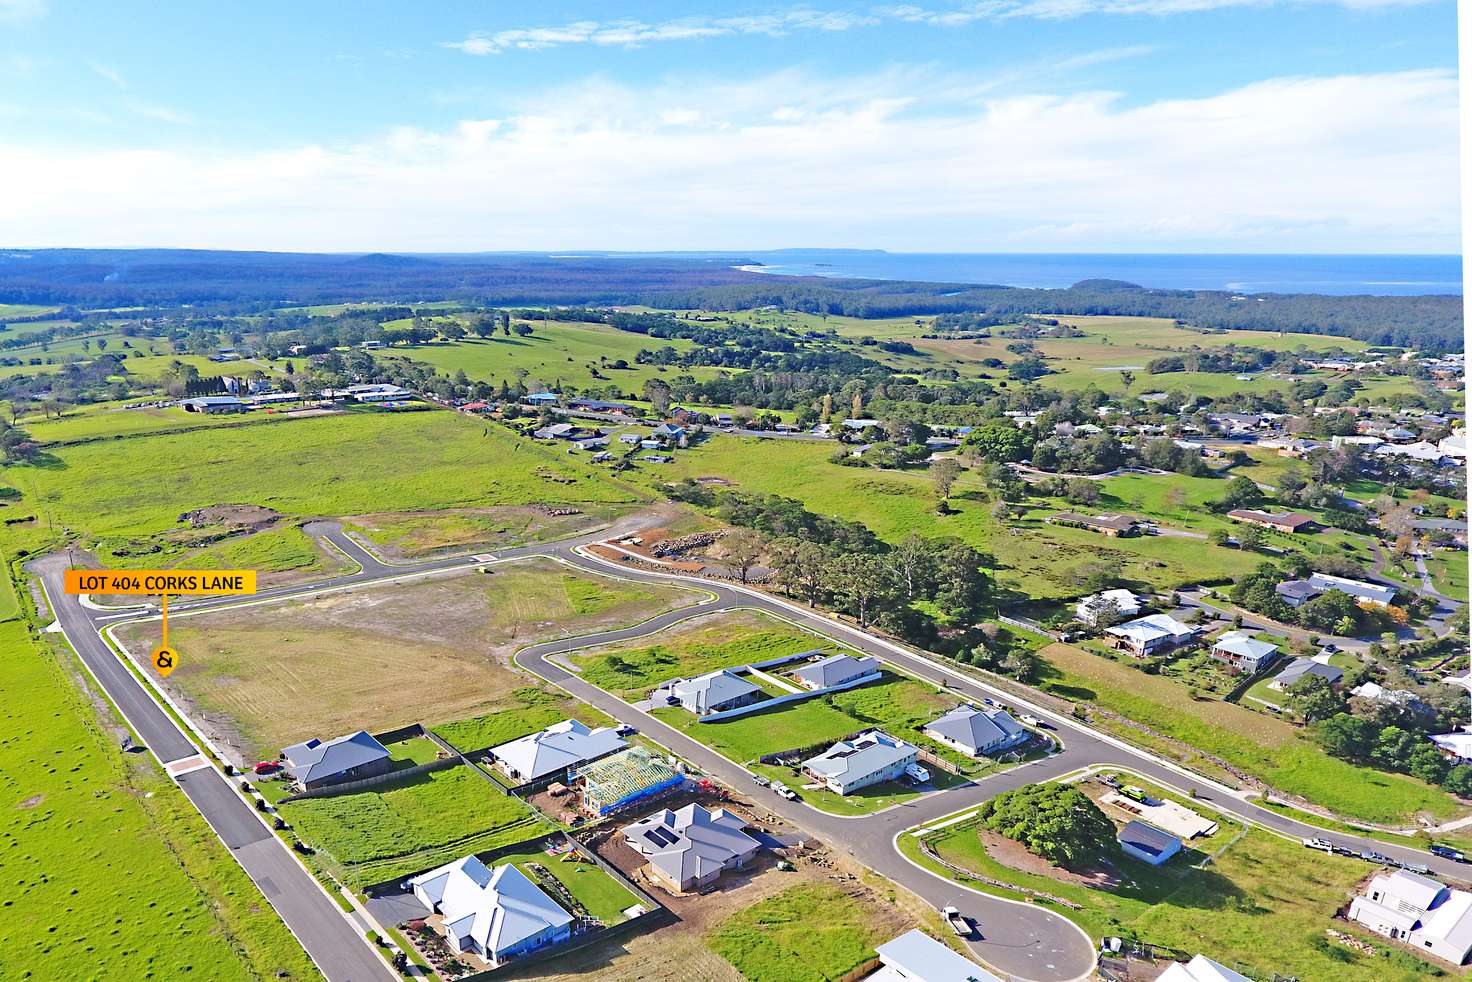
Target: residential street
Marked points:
1020	941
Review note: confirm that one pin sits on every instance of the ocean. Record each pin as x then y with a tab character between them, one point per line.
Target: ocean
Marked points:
1337	275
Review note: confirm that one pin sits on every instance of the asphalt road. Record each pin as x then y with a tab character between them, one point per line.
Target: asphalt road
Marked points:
1017	940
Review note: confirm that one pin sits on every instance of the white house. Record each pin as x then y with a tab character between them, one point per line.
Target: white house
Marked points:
870	758
1124	603
558	747
1200	969
1457	746
1418	911
975	733
1242	652
917	957
1156	632
494	913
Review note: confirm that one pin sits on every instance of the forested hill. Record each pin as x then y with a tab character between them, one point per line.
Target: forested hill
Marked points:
99	278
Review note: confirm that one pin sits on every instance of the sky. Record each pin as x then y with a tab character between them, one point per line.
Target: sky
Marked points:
927	126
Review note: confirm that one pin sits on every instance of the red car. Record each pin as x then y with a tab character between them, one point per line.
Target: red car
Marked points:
267	767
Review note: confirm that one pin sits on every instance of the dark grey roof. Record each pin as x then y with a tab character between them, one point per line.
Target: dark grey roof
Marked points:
314	760
1300	667
836	668
973	728
1147	838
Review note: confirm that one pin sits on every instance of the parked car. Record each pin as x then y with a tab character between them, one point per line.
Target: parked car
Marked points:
1322	844
760	781
624	729
1030	720
784	791
1447	852
267	767
917	774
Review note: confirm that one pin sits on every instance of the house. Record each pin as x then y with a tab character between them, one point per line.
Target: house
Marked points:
690	848
1300	667
496	914
1200	969
1439	527
1457	746
629	438
1375	692
715	691
1147	635
599	406
869	758
1454	446
377	392
1147	843
1242	652
1113	526
917	957
836	669
623	779
975	732
669	431
1425	452
1122	603
316	764
542	399
554	749
1288	521
1418	911
591	443
213	405
1296	593
859	425
370	345
557	431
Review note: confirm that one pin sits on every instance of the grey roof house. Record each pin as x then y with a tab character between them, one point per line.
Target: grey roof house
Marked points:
690	848
834	670
714	691
316	763
869	758
974	732
1147	843
556	748
1300	667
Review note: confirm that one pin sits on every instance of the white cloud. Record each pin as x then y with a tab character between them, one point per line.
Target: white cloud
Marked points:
13	11
900	160
635	33
110	74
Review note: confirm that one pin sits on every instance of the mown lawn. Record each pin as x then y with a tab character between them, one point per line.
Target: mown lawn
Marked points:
101	849
1268	748
809	933
605	898
1261	905
112	419
534	709
413	824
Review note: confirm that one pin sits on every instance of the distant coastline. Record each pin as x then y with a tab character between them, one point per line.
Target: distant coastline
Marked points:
1343	275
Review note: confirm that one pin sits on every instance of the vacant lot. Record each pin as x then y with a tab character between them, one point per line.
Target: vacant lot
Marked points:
431	650
413	535
531	708
1270	749
81	820
414	824
805	934
347	464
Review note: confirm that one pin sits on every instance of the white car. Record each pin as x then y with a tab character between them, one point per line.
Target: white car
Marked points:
1030	720
917	774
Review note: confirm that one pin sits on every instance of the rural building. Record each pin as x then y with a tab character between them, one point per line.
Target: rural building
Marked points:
836	669
668	431
599	406
1151	634
917	957
715	691
975	732
1147	843
870	758
689	849
1113	526
1376	692
1418	911
556	431
1300	667
1125	604
316	764
591	442
212	405
558	747
1457	746
542	398
620	779
496	914
1200	969
1296	593
1161	813
1242	652
1288	521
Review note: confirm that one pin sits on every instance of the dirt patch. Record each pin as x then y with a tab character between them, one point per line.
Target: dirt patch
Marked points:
1014	855
719	482
253	517
31	802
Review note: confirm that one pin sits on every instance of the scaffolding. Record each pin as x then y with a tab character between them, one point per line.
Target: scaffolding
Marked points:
623	778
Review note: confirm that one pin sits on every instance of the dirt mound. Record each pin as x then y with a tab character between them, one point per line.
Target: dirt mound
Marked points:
236	516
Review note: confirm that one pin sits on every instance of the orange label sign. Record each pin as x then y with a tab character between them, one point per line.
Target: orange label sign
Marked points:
175	582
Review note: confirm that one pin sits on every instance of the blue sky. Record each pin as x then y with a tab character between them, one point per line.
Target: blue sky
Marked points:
997	125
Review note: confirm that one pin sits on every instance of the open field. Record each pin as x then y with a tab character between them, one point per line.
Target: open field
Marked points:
413	824
532	709
1262	904
81	822
24	310
1270	749
411	535
348	464
110	419
555	352
427	651
804	934
1448	569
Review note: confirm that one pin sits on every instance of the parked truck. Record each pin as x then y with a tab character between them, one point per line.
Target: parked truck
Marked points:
958	921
